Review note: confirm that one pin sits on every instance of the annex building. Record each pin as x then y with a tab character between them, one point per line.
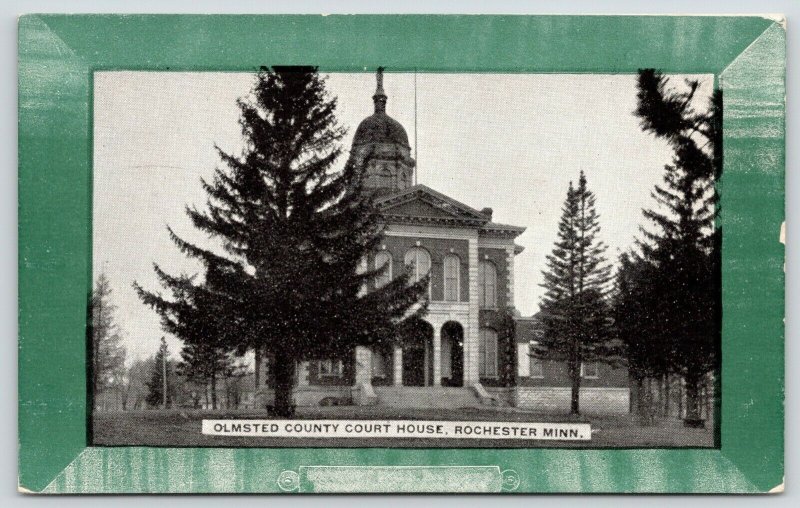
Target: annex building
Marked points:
465	353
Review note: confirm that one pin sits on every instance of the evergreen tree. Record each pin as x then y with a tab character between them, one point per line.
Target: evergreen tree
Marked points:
683	250
108	351
645	349
194	315
155	387
292	232
575	314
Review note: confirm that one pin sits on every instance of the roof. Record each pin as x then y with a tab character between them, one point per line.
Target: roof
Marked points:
448	210
380	128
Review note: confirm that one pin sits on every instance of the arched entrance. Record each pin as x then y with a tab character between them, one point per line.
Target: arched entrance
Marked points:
417	344
452	354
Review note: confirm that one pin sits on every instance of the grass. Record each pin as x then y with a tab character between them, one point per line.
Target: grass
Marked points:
181	428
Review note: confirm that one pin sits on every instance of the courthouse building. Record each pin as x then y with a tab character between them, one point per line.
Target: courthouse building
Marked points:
464	353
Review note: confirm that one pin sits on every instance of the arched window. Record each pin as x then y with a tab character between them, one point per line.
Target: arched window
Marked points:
487	285
362	268
488	353
420	262
382	259
452	269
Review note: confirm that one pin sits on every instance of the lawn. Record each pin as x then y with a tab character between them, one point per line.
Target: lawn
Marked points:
180	428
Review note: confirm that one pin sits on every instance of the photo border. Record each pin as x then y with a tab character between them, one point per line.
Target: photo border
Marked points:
57	57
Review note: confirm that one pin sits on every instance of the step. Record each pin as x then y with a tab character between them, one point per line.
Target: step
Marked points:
426	397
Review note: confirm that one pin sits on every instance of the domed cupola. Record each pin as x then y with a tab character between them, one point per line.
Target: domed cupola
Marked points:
384	141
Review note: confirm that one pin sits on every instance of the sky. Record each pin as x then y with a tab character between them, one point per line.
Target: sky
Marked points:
511	142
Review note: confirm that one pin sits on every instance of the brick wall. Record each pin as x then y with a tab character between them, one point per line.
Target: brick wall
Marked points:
556	373
438	248
557	399
499	257
308	395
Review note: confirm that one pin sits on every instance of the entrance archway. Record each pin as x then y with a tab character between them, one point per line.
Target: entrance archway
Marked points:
452	354
417	342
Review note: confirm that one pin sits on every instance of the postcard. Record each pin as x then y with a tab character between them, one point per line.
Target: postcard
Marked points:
543	260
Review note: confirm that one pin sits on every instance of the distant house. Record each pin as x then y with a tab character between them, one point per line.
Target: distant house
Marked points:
544	383
458	356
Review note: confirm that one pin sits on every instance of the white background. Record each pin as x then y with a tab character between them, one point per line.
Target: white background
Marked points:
512	142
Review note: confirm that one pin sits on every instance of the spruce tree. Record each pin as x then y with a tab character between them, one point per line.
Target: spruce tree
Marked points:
108	351
633	302
683	248
292	231
155	386
574	311
195	313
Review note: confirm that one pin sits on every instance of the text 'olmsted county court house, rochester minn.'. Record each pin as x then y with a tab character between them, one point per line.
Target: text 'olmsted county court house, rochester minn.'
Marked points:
459	355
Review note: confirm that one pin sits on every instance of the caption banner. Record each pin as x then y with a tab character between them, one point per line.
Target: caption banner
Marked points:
398	429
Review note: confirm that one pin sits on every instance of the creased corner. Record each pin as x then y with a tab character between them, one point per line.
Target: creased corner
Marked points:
778	489
777	18
24	490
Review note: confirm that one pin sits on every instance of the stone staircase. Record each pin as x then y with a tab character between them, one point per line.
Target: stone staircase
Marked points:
443	397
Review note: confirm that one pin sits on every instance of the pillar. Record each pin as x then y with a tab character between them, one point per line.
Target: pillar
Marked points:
437	357
397	364
302	374
471	330
363	366
363	394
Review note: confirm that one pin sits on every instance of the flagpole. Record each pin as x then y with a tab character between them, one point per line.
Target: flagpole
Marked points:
416	151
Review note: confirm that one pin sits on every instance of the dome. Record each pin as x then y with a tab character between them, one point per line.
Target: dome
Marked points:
380	128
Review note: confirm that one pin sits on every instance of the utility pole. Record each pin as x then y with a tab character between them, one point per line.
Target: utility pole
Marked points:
163	373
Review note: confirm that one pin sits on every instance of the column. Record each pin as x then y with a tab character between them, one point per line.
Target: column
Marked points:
471	334
363	367
302	374
510	282
437	356
397	364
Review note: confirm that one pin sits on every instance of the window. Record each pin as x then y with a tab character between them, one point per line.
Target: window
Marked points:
330	368
452	269
382	259
488	353
487	285
379	364
536	367
360	269
589	370
420	262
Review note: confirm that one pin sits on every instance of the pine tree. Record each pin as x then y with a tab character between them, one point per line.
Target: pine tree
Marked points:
292	232
683	250
633	303
574	311
108	351
155	387
195	315
205	364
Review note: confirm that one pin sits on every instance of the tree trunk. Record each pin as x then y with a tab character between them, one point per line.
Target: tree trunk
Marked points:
666	394
227	392
284	381
257	370
646	414
680	396
693	418
659	394
575	375
213	391
634	401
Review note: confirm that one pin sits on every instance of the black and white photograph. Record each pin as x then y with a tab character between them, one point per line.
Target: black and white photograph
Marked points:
295	257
